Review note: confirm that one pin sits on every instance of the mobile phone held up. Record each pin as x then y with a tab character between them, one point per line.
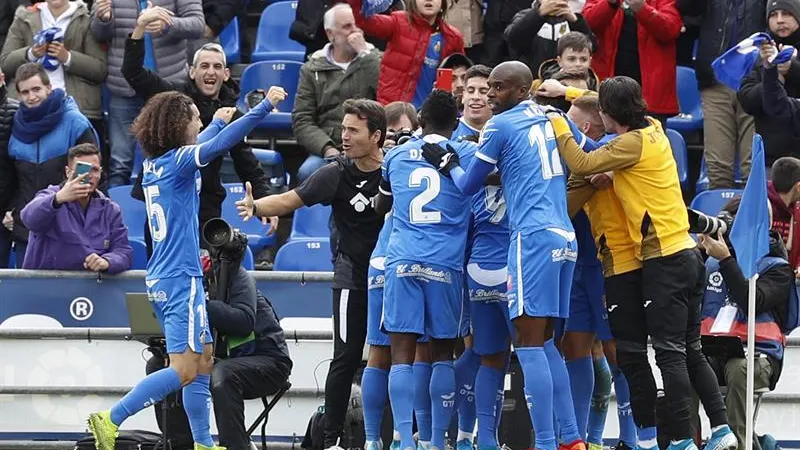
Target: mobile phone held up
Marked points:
444	79
82	168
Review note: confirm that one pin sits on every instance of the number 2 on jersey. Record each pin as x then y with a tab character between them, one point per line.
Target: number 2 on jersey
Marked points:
539	136
416	214
155	214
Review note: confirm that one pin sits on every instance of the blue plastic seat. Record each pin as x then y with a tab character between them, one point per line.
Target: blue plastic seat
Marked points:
272	36
133	211
139	257
711	202
311	222
255	230
248	261
691	115
702	178
679	153
262	75
229	39
304	255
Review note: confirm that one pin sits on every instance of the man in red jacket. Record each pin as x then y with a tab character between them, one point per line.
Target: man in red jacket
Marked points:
637	39
784	192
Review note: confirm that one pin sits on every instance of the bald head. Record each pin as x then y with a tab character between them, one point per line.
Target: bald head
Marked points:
509	84
513	73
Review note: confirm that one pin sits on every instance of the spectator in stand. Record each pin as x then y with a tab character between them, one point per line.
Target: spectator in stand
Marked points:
637	39
73	226
401	119
79	63
8	107
727	128
347	67
459	64
7	8
165	54
210	87
407	73
535	32
574	55
779	140
784	192
218	14
726	287
499	14
46	125
467	17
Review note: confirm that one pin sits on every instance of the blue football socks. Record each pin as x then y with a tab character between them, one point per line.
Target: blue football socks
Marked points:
374	392
153	388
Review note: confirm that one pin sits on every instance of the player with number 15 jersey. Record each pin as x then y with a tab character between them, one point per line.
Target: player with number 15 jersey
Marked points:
425	254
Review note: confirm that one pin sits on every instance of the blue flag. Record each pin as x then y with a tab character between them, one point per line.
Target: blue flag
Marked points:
739	60
750	232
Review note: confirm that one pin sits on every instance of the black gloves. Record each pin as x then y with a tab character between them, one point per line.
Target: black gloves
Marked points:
443	160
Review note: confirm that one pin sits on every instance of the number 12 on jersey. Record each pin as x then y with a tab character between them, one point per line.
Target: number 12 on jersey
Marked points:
539	136
155	214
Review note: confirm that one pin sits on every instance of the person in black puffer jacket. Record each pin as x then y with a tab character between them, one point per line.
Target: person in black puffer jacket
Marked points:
778	139
8	175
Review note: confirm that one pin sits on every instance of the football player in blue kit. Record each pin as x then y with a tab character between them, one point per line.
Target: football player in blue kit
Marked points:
520	143
167	129
424	263
488	253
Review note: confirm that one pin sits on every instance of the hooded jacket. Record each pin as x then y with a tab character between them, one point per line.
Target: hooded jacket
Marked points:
62	236
212	193
88	65
40	164
8	174
778	140
407	43
323	87
533	39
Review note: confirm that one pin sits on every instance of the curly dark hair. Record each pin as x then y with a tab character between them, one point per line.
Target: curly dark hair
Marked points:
161	125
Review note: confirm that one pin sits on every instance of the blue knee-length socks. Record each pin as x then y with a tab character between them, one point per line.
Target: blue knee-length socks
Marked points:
600	397
422	399
374	392
581	381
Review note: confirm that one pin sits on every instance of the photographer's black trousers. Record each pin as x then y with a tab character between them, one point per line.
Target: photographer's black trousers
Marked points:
232	382
663	301
349	335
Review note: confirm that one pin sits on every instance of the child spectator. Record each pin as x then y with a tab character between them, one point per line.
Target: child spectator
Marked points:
574	56
407	73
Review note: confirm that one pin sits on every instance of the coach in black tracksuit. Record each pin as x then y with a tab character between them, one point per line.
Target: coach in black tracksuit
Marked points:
349	184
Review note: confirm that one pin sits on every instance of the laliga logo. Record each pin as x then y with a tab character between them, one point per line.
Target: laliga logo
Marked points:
65	367
715	279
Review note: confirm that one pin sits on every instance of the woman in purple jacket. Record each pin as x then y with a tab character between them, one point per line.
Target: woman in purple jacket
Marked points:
74	226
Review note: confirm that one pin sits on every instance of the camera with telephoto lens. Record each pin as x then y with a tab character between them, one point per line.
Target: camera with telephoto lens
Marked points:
700	223
226	243
400	137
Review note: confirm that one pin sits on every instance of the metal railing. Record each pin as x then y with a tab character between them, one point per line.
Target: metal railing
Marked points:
300	277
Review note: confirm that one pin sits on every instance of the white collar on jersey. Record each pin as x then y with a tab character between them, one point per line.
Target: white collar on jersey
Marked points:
433	138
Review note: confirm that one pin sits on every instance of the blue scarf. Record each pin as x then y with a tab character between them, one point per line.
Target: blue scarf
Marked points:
52	34
30	124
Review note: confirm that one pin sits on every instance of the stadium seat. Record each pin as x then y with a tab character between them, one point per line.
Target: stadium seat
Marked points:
702	178
711	202
248	261
691	115
255	230
133	211
229	39
311	222
679	153
264	74
139	258
309	255
272	37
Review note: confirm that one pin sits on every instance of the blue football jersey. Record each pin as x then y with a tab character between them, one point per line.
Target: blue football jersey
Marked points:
521	143
171	185
463	130
383	238
431	215
490	235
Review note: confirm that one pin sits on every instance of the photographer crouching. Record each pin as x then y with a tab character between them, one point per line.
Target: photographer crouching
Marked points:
251	357
724	313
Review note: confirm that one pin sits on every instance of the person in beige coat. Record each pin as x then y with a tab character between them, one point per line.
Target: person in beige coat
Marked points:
82	67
